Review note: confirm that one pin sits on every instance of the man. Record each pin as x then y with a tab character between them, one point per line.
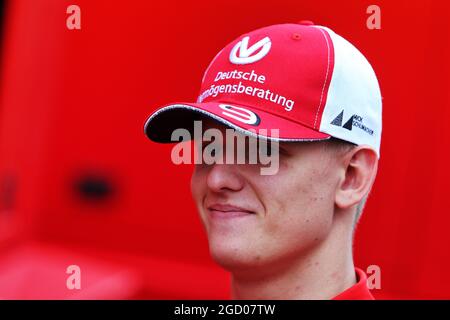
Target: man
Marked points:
286	235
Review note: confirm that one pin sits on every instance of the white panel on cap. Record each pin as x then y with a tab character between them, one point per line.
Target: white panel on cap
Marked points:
354	90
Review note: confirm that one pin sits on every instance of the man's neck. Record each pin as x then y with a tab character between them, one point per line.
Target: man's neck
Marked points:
322	273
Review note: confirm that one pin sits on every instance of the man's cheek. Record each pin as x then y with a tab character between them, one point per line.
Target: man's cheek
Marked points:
198	183
197	197
293	214
275	218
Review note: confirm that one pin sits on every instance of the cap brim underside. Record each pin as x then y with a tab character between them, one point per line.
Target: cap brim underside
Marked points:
161	124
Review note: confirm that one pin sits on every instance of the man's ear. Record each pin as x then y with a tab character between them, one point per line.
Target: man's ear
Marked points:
359	168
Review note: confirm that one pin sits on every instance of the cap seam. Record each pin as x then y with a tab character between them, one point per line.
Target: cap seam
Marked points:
326	77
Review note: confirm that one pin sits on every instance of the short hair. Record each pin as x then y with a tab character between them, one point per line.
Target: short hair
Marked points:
360	207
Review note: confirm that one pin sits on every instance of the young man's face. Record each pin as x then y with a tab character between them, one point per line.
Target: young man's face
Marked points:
266	220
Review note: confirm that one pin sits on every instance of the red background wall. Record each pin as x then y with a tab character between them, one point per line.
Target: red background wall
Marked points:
73	105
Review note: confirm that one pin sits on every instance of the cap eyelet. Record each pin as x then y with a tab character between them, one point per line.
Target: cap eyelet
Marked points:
296	36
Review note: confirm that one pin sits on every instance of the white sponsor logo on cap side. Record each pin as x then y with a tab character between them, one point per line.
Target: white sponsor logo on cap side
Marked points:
246	54
240	114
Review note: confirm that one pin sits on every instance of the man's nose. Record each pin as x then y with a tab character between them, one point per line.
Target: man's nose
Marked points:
224	177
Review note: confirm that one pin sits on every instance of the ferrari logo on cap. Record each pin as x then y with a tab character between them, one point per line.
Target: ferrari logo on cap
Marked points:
247	54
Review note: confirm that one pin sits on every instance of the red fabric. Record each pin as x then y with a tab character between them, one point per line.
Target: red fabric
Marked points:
359	291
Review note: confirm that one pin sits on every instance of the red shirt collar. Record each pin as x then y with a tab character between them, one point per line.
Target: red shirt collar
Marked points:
359	291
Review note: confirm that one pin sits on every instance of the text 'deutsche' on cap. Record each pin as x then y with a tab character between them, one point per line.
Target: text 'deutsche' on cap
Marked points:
302	79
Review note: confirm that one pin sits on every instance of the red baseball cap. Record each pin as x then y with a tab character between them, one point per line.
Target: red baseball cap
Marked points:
302	79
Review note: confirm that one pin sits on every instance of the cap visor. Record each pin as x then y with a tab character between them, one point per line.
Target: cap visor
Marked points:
164	121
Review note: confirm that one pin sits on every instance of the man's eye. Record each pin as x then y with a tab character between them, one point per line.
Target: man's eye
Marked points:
265	149
269	149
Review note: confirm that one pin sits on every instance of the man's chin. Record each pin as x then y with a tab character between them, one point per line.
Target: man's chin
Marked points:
233	259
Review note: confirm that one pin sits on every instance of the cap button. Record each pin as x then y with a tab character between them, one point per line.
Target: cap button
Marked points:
306	22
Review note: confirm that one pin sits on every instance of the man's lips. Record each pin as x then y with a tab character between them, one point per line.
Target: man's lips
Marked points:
228	211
